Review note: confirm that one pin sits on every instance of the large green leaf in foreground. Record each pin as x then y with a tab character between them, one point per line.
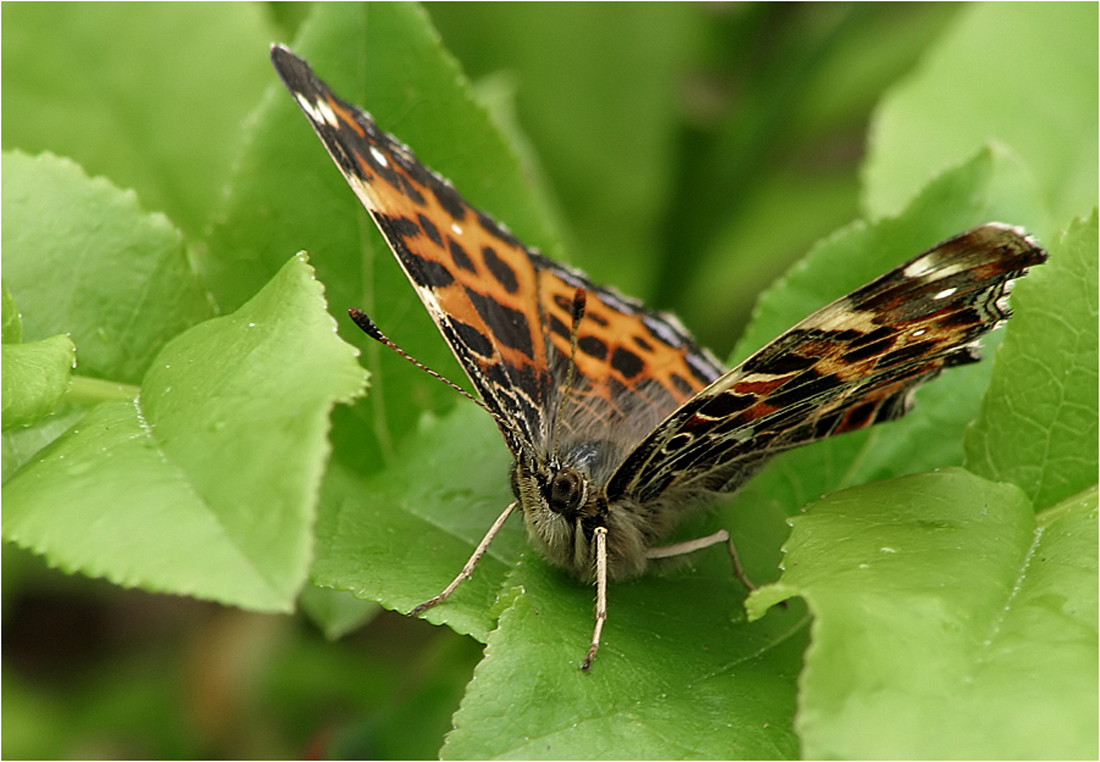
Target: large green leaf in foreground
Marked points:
399	537
949	622
206	484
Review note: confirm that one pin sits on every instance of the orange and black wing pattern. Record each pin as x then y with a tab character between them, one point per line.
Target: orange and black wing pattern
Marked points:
506	311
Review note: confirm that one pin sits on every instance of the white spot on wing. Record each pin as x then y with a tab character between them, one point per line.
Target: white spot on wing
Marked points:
457	230
928	268
308	107
945	293
920	267
363	191
319	111
379	156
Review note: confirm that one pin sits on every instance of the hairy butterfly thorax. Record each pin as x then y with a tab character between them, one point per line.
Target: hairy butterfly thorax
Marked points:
619	423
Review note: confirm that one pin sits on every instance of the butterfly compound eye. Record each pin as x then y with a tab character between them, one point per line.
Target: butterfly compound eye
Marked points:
567	491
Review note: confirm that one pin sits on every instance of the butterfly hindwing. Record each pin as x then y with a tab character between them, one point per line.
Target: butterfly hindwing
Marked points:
849	365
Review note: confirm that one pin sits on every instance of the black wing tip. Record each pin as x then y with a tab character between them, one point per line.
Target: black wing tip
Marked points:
282	57
293	70
1022	246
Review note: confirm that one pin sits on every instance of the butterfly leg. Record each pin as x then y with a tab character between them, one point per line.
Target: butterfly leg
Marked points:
681	548
738	571
468	569
601	595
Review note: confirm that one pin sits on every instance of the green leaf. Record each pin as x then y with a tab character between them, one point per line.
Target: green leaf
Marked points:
221	460
35	378
82	258
336	613
400	536
152	96
12	332
1020	74
947	621
681	674
21	444
1038	423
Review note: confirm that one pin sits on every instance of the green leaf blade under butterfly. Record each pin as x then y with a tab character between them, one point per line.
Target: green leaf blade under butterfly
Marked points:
398	538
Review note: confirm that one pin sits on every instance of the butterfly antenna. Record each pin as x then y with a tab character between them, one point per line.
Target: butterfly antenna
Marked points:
370	328
580	300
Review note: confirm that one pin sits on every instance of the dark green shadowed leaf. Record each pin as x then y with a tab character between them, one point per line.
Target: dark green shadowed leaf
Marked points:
1038	424
948	623
680	673
220	460
336	613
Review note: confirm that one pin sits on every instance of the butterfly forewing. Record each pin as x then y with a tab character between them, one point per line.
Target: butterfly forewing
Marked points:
475	279
504	309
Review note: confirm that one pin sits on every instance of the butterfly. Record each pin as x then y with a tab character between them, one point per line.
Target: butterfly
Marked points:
619	423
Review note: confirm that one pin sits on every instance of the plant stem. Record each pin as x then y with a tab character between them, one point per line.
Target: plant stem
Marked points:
89	391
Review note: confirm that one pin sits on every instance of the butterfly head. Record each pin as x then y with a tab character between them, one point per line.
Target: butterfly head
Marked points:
562	507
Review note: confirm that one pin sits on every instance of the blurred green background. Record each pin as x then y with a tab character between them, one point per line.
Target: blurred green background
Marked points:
730	132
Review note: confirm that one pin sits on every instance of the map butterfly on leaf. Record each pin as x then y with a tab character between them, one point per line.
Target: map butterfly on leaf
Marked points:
619	424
